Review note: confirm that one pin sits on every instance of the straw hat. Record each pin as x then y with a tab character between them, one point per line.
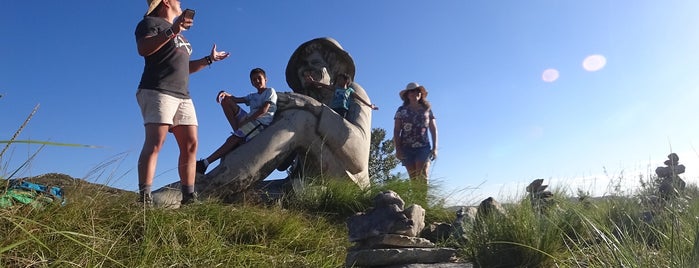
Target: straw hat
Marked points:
152	4
411	86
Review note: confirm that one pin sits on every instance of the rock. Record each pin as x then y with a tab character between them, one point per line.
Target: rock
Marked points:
432	265
398	256
540	199
416	214
436	232
673	158
465	219
393	241
536	186
671	184
386	217
167	197
386	236
490	207
671	187
388	198
664	172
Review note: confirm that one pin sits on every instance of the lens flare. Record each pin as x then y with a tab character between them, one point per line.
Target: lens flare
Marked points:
550	75
594	63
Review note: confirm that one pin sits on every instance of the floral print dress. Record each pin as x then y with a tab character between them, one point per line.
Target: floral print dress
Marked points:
414	125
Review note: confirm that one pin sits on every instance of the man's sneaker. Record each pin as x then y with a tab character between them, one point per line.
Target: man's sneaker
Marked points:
146	200
189	199
201	167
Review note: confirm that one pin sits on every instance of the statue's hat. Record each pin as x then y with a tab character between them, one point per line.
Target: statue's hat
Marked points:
341	61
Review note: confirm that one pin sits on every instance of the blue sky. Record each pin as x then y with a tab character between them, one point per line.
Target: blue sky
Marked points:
501	124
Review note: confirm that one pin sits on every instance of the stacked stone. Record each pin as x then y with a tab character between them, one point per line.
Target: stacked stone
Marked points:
671	183
386	236
540	198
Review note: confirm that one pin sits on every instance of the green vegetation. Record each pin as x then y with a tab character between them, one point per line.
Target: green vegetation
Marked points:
382	158
103	227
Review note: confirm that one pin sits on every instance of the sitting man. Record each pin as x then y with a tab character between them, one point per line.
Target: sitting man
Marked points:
263	104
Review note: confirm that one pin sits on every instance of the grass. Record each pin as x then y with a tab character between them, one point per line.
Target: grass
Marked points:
607	232
99	228
103	227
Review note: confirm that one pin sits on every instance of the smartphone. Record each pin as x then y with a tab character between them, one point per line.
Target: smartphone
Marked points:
188	13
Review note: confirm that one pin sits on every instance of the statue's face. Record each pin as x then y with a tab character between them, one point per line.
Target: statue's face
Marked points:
316	67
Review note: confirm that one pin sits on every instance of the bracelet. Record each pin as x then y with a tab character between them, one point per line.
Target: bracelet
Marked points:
208	60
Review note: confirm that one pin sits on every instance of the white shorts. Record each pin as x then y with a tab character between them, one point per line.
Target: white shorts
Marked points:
159	108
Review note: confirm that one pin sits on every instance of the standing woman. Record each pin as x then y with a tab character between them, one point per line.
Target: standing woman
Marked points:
163	93
412	121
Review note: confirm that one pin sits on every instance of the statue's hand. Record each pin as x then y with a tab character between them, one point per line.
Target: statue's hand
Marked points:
298	101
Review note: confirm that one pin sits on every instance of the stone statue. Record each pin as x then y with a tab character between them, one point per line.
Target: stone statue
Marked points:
304	128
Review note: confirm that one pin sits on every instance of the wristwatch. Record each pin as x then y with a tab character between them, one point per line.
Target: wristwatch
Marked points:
169	33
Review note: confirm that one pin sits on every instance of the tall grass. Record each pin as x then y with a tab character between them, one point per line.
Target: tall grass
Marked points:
99	228
106	229
616	231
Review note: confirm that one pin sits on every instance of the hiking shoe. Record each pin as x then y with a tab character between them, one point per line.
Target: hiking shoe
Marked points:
146	200
201	167
189	199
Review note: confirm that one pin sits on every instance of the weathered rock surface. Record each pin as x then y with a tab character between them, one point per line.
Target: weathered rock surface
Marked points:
386	236
391	241
395	256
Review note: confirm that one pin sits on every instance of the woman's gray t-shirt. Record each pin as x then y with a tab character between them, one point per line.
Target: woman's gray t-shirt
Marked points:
166	70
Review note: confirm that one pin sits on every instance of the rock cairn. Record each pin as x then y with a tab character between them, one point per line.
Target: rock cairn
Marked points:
386	235
538	196
661	204
670	182
668	192
463	225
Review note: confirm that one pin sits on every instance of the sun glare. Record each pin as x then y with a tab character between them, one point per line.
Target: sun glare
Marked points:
594	63
550	75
